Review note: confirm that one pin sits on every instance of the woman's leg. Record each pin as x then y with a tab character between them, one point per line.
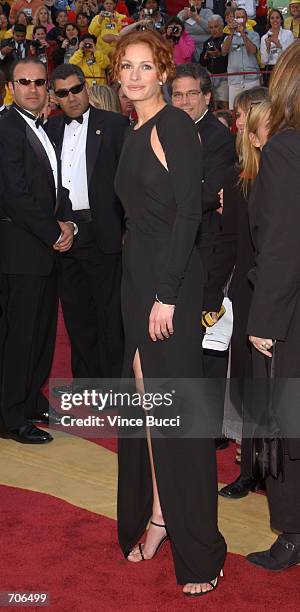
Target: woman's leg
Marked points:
155	534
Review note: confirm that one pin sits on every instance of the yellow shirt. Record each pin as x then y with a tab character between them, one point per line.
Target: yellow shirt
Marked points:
107	26
293	25
94	71
29	33
250	23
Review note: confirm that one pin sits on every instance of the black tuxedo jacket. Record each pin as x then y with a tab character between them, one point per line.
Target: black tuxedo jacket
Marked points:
29	205
103	148
218	155
3	112
9	60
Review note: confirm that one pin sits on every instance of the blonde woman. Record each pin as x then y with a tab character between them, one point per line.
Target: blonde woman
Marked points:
234	252
104	97
42	17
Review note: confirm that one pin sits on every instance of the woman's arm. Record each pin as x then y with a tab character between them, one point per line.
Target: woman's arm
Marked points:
275	229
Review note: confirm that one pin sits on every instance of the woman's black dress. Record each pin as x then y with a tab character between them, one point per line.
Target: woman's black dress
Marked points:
163	212
274	213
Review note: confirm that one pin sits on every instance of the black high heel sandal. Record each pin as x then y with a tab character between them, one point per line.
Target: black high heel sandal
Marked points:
141	545
213	583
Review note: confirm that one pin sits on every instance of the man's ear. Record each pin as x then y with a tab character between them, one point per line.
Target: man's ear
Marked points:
207	98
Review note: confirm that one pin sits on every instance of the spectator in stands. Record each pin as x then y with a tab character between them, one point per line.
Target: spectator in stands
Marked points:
21	18
82	22
212	58
43	17
241	46
3	26
274	41
13	49
249	6
293	23
182	43
88	7
261	17
127	106
107	25
196	24
28	6
57	33
92	61
151	9
5	8
43	49
68	46
105	97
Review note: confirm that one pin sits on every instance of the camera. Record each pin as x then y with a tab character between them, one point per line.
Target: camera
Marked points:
106	14
175	29
148	12
141	27
73	41
87	45
36	44
193	9
211	46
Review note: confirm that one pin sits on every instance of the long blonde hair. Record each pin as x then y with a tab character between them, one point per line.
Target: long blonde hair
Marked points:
257	114
104	97
284	90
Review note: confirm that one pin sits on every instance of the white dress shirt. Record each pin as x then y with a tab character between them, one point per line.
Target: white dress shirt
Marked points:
73	160
286	38
46	142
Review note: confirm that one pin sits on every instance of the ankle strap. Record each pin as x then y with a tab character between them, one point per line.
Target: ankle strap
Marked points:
157	524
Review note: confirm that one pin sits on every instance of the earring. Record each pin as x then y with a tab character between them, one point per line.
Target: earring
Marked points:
160	82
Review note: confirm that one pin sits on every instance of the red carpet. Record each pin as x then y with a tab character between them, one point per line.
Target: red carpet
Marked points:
51	546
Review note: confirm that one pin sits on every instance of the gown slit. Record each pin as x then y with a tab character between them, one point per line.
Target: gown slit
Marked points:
163	212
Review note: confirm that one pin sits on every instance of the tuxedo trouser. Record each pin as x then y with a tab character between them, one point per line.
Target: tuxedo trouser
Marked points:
27	340
89	287
284	497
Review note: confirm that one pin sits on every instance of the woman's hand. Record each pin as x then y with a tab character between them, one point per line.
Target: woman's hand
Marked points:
161	321
262	345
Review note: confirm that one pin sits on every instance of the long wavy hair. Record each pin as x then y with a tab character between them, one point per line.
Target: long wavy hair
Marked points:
284	90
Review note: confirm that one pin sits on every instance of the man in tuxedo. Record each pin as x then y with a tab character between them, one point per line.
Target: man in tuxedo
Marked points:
14	49
32	198
192	91
89	142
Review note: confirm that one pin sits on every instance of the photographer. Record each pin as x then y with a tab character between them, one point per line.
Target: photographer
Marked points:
107	25
92	61
41	48
196	18
13	49
212	59
57	33
150	10
183	44
241	46
274	42
68	46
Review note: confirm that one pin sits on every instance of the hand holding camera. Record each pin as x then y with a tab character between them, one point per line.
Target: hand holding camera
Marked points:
174	32
7	49
87	46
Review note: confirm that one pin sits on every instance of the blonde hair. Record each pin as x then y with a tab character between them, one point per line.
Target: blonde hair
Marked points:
104	97
36	18
284	90
257	114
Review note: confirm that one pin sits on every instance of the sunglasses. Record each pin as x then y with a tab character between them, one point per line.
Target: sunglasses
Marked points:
26	82
63	93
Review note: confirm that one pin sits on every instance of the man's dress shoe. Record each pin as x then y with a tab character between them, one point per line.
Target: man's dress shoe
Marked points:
49	417
281	555
239	488
29	434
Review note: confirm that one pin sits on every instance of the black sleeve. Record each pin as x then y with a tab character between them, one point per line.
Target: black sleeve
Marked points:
204	62
275	233
58	54
221	156
19	203
223	259
180	142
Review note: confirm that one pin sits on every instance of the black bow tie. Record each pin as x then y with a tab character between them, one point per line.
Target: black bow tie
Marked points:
69	120
39	121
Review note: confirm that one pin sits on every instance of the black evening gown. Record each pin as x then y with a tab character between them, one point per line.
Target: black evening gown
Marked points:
163	212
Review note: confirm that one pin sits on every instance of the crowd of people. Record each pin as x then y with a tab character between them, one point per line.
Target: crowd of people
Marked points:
238	39
124	195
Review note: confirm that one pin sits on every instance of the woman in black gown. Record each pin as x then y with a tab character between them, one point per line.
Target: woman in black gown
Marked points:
171	481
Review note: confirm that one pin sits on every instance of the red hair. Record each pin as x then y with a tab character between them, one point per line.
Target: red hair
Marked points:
160	48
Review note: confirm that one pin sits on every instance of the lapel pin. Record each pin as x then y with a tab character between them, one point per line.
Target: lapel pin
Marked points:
98	132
